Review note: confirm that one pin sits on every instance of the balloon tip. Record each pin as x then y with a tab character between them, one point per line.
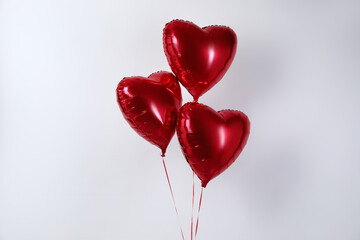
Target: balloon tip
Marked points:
163	151
204	184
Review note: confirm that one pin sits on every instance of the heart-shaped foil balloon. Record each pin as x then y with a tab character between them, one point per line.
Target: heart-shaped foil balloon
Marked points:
150	105
211	141
199	57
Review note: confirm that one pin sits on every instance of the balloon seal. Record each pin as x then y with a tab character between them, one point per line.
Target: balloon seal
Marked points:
195	99
204	184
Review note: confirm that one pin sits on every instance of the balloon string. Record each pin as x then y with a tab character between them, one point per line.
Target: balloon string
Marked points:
192	211
172	195
197	221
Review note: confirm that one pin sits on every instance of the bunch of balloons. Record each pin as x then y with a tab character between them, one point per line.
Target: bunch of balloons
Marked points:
199	57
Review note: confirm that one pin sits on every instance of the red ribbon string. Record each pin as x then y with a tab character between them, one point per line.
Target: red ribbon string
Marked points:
192	211
172	195
197	221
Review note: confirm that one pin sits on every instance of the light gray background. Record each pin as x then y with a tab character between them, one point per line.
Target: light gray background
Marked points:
71	168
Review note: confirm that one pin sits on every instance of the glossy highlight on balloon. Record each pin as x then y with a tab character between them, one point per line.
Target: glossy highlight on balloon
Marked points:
199	57
150	105
211	141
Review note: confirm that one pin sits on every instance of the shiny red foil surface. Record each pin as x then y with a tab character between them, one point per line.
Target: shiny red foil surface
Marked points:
211	141
150	105
199	57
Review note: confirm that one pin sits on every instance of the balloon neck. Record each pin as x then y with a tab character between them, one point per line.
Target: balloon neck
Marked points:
196	99
163	151
204	183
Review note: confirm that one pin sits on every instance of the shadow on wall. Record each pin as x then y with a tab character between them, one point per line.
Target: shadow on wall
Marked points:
253	76
274	178
274	171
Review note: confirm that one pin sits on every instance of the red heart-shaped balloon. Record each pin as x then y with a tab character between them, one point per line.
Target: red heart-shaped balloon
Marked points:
199	57
150	105
210	140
